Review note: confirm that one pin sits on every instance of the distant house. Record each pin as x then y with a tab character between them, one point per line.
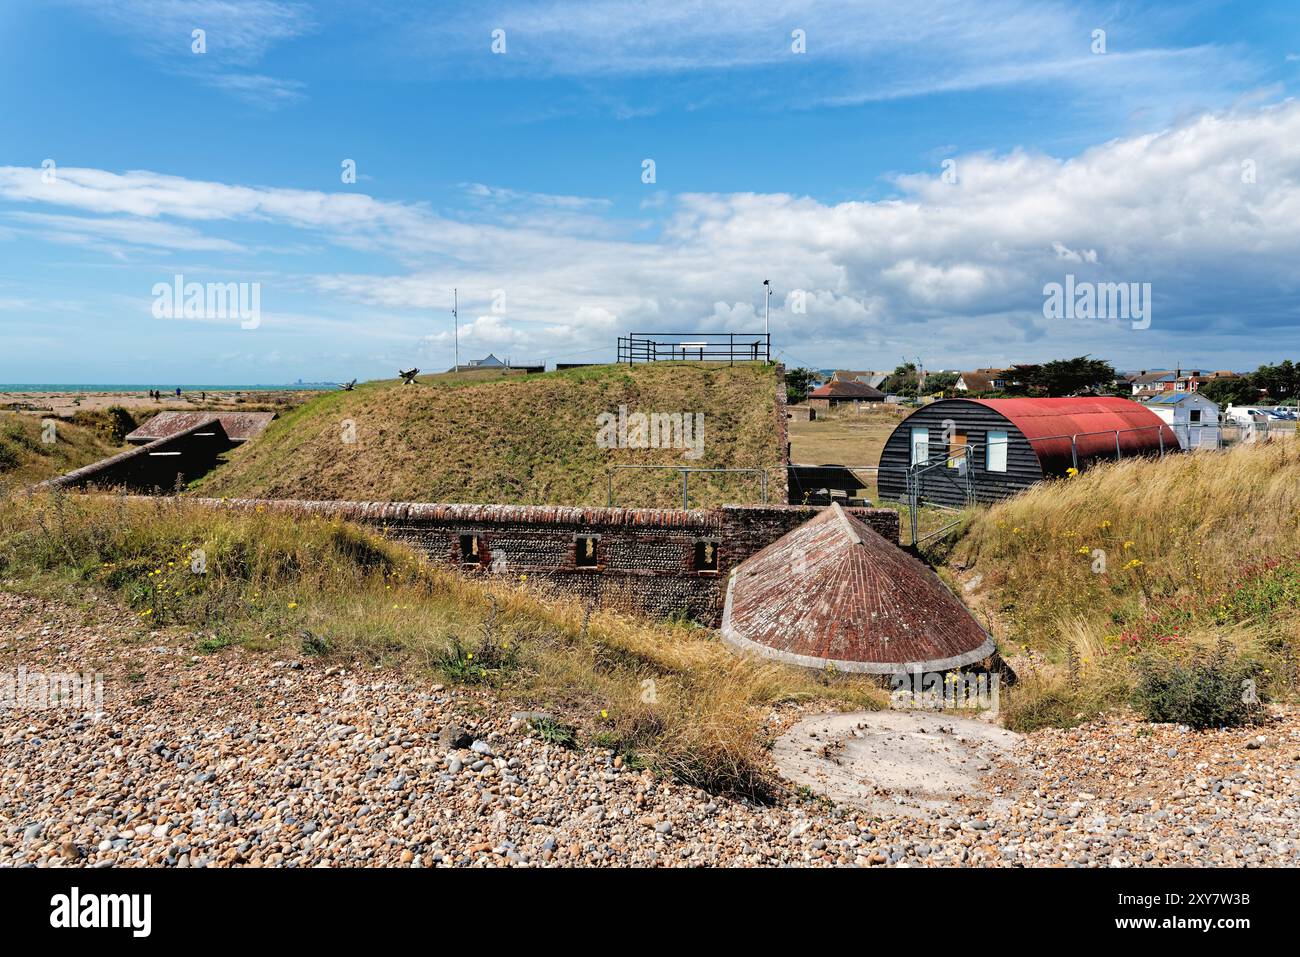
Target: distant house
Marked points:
1192	381
841	391
867	377
1151	382
1194	418
492	362
983	380
1146	383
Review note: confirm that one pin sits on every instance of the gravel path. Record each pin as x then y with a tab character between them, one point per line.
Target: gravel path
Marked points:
242	759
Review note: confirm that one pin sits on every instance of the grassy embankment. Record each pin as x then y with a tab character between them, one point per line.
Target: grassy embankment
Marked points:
485	437
1201	552
27	458
668	695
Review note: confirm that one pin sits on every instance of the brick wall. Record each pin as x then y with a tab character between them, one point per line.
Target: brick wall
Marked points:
645	558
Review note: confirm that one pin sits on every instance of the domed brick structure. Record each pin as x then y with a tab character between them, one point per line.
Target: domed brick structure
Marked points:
833	592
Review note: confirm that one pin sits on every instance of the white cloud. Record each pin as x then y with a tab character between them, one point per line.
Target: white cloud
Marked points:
238	31
259	90
1063	252
113	233
237	34
956	270
857	51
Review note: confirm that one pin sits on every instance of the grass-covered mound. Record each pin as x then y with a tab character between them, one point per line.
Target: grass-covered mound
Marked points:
26	457
513	439
1104	573
669	695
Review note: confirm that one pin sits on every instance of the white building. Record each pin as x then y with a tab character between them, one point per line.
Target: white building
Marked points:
1193	417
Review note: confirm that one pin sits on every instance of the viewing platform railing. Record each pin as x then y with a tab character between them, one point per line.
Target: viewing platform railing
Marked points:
727	347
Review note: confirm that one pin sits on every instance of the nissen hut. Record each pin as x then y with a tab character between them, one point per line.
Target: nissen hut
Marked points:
957	450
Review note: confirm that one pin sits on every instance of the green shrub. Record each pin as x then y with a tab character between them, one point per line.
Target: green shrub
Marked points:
119	423
553	732
1209	692
314	645
486	661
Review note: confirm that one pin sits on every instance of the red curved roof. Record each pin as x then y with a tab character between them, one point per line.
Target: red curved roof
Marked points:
1048	424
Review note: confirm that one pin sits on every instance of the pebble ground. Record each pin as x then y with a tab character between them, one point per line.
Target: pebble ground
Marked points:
243	759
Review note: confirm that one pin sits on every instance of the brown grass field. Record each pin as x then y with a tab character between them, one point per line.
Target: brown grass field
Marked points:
846	437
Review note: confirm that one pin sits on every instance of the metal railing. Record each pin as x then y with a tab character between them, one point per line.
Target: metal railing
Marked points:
1119	453
963	482
727	347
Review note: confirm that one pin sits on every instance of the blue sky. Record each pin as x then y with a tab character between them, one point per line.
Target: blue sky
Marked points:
1173	157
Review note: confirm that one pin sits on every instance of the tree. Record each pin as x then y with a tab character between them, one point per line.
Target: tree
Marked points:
1279	381
1023	379
1236	391
902	380
1068	376
940	381
798	383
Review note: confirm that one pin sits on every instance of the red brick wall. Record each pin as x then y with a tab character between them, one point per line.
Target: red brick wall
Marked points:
645	557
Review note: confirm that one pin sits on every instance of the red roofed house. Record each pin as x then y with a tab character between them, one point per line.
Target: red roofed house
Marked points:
841	391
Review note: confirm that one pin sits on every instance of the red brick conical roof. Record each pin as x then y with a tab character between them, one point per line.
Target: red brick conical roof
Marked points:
835	592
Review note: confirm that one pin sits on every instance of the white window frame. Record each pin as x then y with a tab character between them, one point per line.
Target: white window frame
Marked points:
996	462
923	434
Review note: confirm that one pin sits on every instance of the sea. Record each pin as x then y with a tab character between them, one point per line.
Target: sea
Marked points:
165	387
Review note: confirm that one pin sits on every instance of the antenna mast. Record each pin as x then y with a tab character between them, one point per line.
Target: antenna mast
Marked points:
455	324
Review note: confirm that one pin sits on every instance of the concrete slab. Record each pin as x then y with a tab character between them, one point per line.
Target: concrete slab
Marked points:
894	763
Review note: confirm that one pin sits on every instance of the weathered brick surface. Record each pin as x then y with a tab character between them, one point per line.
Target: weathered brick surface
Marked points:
645	557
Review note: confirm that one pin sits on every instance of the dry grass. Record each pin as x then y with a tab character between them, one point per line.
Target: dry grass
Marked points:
1196	548
486	437
666	694
26	459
